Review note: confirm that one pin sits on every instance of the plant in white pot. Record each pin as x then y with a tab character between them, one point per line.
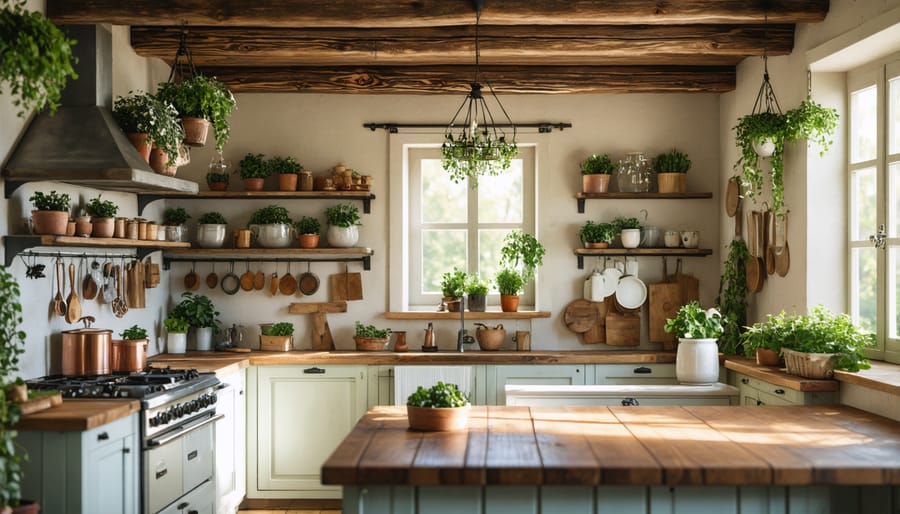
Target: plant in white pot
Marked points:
176	334
211	230
272	227
51	213
629	231
697	330
200	313
174	219
343	223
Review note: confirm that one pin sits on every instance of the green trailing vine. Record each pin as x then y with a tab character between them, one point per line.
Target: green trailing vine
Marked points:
469	157
732	299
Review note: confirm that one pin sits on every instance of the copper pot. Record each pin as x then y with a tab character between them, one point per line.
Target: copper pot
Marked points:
128	355
85	351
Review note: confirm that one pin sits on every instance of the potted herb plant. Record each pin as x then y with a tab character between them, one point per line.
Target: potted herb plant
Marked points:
200	101
597	235
130	352
453	284
476	290
211	230
147	120
254	169
51	213
343	222
174	219
595	173
438	408
176	333
629	231
510	284
307	229
35	58
370	338
200	313
523	254
278	337
697	330
272	226
288	170
103	216
217	181
671	171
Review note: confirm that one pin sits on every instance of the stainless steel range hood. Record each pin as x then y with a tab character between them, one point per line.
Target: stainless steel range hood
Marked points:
82	144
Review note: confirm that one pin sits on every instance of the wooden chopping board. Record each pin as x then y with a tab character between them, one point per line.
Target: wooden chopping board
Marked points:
580	315
665	300
346	287
597	333
623	329
690	285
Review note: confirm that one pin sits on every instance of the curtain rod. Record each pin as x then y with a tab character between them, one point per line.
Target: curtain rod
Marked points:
543	128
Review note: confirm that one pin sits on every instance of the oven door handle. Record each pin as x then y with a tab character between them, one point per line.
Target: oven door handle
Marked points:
181	431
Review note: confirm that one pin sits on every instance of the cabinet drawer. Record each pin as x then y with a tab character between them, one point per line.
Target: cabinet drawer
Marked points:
635	374
114	431
790	396
198	457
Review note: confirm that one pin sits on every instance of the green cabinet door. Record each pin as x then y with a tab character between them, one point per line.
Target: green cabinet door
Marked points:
551	374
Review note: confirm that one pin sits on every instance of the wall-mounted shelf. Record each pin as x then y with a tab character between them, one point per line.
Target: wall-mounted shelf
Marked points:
581	197
356	254
125	180
489	315
581	253
364	196
17	244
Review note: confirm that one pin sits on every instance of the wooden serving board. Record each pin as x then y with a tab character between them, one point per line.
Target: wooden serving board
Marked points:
597	333
623	329
580	316
33	405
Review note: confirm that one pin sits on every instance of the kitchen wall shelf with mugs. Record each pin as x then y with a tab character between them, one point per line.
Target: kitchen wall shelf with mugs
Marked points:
581	197
364	196
256	255
16	244
581	253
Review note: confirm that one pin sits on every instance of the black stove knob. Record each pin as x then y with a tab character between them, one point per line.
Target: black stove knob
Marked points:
194	405
163	416
213	398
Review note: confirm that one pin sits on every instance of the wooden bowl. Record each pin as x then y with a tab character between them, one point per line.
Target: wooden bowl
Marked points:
368	344
437	419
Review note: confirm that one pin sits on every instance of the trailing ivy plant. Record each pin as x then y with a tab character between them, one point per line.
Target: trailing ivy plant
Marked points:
35	58
469	157
12	344
143	113
202	97
732	299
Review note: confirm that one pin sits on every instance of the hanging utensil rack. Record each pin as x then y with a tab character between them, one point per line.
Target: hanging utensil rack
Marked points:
366	260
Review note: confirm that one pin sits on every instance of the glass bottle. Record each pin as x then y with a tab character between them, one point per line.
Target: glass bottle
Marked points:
634	173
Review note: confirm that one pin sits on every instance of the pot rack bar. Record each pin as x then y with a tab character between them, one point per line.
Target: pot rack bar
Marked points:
393	128
88	255
16	244
366	260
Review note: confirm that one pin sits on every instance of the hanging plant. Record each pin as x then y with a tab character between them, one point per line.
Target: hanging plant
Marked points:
732	299
35	58
467	158
752	132
202	97
812	122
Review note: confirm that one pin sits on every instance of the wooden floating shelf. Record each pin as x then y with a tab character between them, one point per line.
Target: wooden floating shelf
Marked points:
489	315
365	196
581	197
17	244
581	253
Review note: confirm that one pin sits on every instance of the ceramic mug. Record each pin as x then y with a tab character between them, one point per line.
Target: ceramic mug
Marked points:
242	238
690	238
672	239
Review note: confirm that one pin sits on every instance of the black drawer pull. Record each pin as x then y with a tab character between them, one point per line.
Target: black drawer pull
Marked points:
192	455
745	380
126	450
779	391
193	512
314	371
103	436
643	370
759	402
183	505
162	473
630	402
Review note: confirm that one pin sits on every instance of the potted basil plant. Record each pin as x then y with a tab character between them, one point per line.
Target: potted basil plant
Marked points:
476	290
438	408
174	219
307	229
200	313
200	102
288	170
343	223
697	330
671	171
453	285
254	169
211	230
103	216
595	173
272	227
51	213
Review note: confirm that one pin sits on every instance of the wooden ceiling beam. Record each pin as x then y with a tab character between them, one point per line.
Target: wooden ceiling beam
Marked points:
424	13
558	45
455	79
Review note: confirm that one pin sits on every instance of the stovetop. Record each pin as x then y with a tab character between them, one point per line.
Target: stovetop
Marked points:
145	384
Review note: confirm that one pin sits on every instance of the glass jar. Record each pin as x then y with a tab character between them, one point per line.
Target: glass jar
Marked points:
634	174
306	180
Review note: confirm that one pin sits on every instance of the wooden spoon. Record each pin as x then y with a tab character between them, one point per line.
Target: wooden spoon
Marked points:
769	228
59	304
89	287
273	282
73	306
783	257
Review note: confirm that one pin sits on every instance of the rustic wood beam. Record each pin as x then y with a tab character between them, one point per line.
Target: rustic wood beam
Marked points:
430	13
558	45
455	79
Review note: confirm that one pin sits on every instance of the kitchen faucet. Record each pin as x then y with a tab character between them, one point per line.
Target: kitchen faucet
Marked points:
462	337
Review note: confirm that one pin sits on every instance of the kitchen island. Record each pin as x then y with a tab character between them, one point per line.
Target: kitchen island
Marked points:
623	459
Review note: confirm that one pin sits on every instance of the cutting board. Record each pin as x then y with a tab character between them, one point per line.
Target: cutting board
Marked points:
690	285
346	287
580	316
623	329
597	333
665	300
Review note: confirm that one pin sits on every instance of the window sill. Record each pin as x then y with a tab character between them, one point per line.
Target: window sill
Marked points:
489	315
882	376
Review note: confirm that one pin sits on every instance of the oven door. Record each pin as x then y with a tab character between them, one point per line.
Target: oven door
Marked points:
177	463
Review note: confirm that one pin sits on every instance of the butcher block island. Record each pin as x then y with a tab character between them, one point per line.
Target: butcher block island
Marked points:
703	459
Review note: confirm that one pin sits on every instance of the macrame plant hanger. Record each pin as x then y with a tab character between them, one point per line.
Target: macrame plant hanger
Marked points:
765	98
183	66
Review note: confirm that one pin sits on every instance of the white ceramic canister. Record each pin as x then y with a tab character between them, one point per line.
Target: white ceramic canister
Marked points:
211	235
273	235
697	361
631	237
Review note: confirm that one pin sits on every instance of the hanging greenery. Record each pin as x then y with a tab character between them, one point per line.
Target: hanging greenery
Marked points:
467	158
732	299
35	58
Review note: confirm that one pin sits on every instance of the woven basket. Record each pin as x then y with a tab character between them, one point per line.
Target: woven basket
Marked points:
809	365
368	344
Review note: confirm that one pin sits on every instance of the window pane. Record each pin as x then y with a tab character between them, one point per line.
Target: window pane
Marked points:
862	203
893	292
894	201
489	244
441	251
894	116
442	200
863	287
500	198
863	124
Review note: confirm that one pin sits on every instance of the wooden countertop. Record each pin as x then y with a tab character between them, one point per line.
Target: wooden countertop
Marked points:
882	376
777	376
79	415
809	445
208	360
220	363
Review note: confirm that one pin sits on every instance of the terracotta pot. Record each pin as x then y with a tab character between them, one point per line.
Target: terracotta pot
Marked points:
254	184
597	183
218	186
309	240
158	160
669	182
103	227
27	507
452	302
287	181
83	226
52	223
141	144
509	302
437	419
767	357
195	130
596	245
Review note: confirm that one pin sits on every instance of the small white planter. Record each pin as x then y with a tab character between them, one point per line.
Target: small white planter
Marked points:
176	343
697	361
211	235
342	237
203	339
764	147
273	235
631	237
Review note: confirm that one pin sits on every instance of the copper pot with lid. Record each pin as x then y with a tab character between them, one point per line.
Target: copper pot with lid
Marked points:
86	350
